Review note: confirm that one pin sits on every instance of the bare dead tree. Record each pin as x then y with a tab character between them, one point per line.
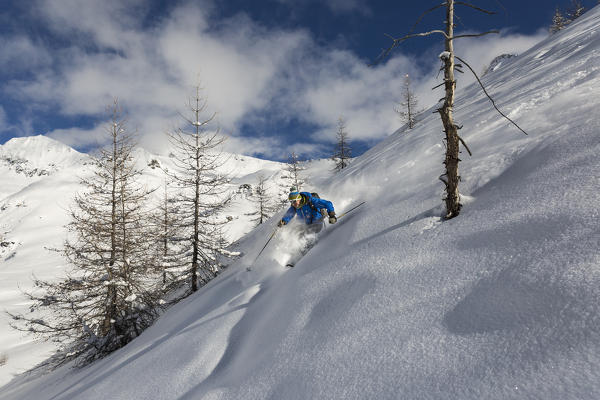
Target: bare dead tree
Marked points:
407	109
342	152
451	177
201	183
109	296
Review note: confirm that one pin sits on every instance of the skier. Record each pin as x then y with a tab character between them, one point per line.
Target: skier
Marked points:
310	209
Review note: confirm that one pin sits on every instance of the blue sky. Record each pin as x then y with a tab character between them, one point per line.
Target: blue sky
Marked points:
279	73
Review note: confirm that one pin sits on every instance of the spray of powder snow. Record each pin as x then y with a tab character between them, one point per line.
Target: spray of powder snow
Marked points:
291	242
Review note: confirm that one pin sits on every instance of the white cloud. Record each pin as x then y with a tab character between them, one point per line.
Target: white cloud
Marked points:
81	138
236	64
268	147
19	52
3	121
251	74
109	23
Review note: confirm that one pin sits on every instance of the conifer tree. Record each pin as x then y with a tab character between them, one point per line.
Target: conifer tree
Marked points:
262	201
576	10
342	152
558	21
201	186
292	178
109	296
170	259
294	169
407	109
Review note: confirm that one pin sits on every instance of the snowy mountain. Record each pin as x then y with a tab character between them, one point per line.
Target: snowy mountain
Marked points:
502	302
38	179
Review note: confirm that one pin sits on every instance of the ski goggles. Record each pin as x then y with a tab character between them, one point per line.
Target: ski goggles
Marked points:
293	197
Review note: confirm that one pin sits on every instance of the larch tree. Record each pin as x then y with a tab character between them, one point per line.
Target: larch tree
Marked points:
293	179
170	247
342	152
407	108
201	184
558	21
110	295
575	10
264	208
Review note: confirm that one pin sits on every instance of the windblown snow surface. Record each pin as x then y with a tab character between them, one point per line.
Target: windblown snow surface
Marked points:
502	302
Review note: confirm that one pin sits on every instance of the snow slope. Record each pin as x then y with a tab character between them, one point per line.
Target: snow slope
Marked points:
502	302
38	179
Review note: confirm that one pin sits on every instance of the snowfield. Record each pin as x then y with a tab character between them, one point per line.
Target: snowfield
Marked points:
502	302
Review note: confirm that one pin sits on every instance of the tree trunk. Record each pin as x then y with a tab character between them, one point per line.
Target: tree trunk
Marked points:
452	140
196	198
111	306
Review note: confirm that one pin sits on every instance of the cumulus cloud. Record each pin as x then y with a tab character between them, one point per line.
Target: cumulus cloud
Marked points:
20	52
81	138
251	75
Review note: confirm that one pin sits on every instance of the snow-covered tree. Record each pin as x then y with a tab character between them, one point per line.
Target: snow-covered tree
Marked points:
342	152
109	296
201	186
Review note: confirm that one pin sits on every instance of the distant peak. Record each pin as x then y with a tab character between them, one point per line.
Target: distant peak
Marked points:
35	142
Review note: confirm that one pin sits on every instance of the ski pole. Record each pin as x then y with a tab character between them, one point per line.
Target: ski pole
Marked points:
353	208
265	246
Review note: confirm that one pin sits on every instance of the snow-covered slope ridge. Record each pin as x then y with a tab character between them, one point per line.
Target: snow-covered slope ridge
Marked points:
25	160
502	302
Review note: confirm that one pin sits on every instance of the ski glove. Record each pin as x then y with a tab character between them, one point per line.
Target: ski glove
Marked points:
332	218
281	223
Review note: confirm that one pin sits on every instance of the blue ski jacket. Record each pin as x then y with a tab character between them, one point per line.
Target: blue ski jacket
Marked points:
308	214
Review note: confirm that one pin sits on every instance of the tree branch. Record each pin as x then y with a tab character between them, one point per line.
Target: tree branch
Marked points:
474	34
466	147
475	7
425	13
385	53
489	97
